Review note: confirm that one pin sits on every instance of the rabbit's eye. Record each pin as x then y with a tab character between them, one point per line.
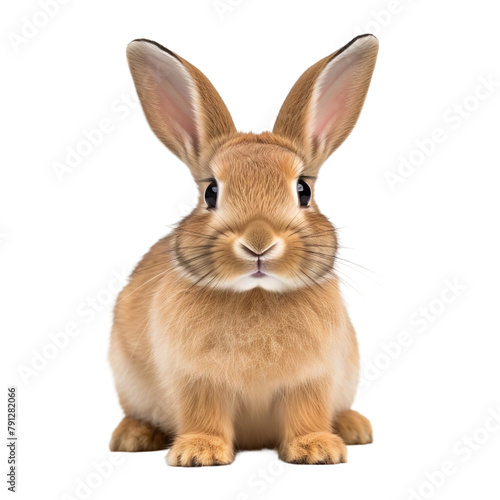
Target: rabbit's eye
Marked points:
304	192
211	194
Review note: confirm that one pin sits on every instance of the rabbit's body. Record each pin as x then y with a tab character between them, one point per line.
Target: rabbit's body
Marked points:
232	333
256	348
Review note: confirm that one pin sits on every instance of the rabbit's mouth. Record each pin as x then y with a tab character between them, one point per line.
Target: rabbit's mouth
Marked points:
258	274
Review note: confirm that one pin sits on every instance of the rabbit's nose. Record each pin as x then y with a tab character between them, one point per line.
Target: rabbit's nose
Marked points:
259	240
255	253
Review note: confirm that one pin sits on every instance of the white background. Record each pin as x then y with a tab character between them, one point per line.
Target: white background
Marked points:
63	239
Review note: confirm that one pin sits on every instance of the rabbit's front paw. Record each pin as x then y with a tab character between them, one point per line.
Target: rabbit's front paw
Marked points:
314	448
192	450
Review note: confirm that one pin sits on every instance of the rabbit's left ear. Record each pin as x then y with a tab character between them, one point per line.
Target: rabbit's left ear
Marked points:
323	106
181	105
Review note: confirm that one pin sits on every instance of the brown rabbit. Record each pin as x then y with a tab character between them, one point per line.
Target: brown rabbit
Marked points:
232	333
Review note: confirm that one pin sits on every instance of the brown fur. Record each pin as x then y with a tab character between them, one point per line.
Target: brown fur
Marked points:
292	120
353	427
198	356
132	435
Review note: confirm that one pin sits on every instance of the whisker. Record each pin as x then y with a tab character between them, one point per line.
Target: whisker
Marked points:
344	281
223	221
344	248
298	228
218	230
305	282
354	264
209	237
205	275
319	233
189	247
326	269
206	256
293	218
158	264
141	269
322	246
139	287
187	261
319	254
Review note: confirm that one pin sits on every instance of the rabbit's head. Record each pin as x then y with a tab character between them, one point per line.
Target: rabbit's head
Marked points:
256	223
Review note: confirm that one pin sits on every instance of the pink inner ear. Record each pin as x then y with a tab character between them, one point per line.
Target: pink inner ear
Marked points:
171	84
332	96
327	112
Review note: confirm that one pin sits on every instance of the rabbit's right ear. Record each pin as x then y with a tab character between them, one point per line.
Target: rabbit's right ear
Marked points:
322	108
181	105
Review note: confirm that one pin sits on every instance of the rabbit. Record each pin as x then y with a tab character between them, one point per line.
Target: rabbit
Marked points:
231	333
